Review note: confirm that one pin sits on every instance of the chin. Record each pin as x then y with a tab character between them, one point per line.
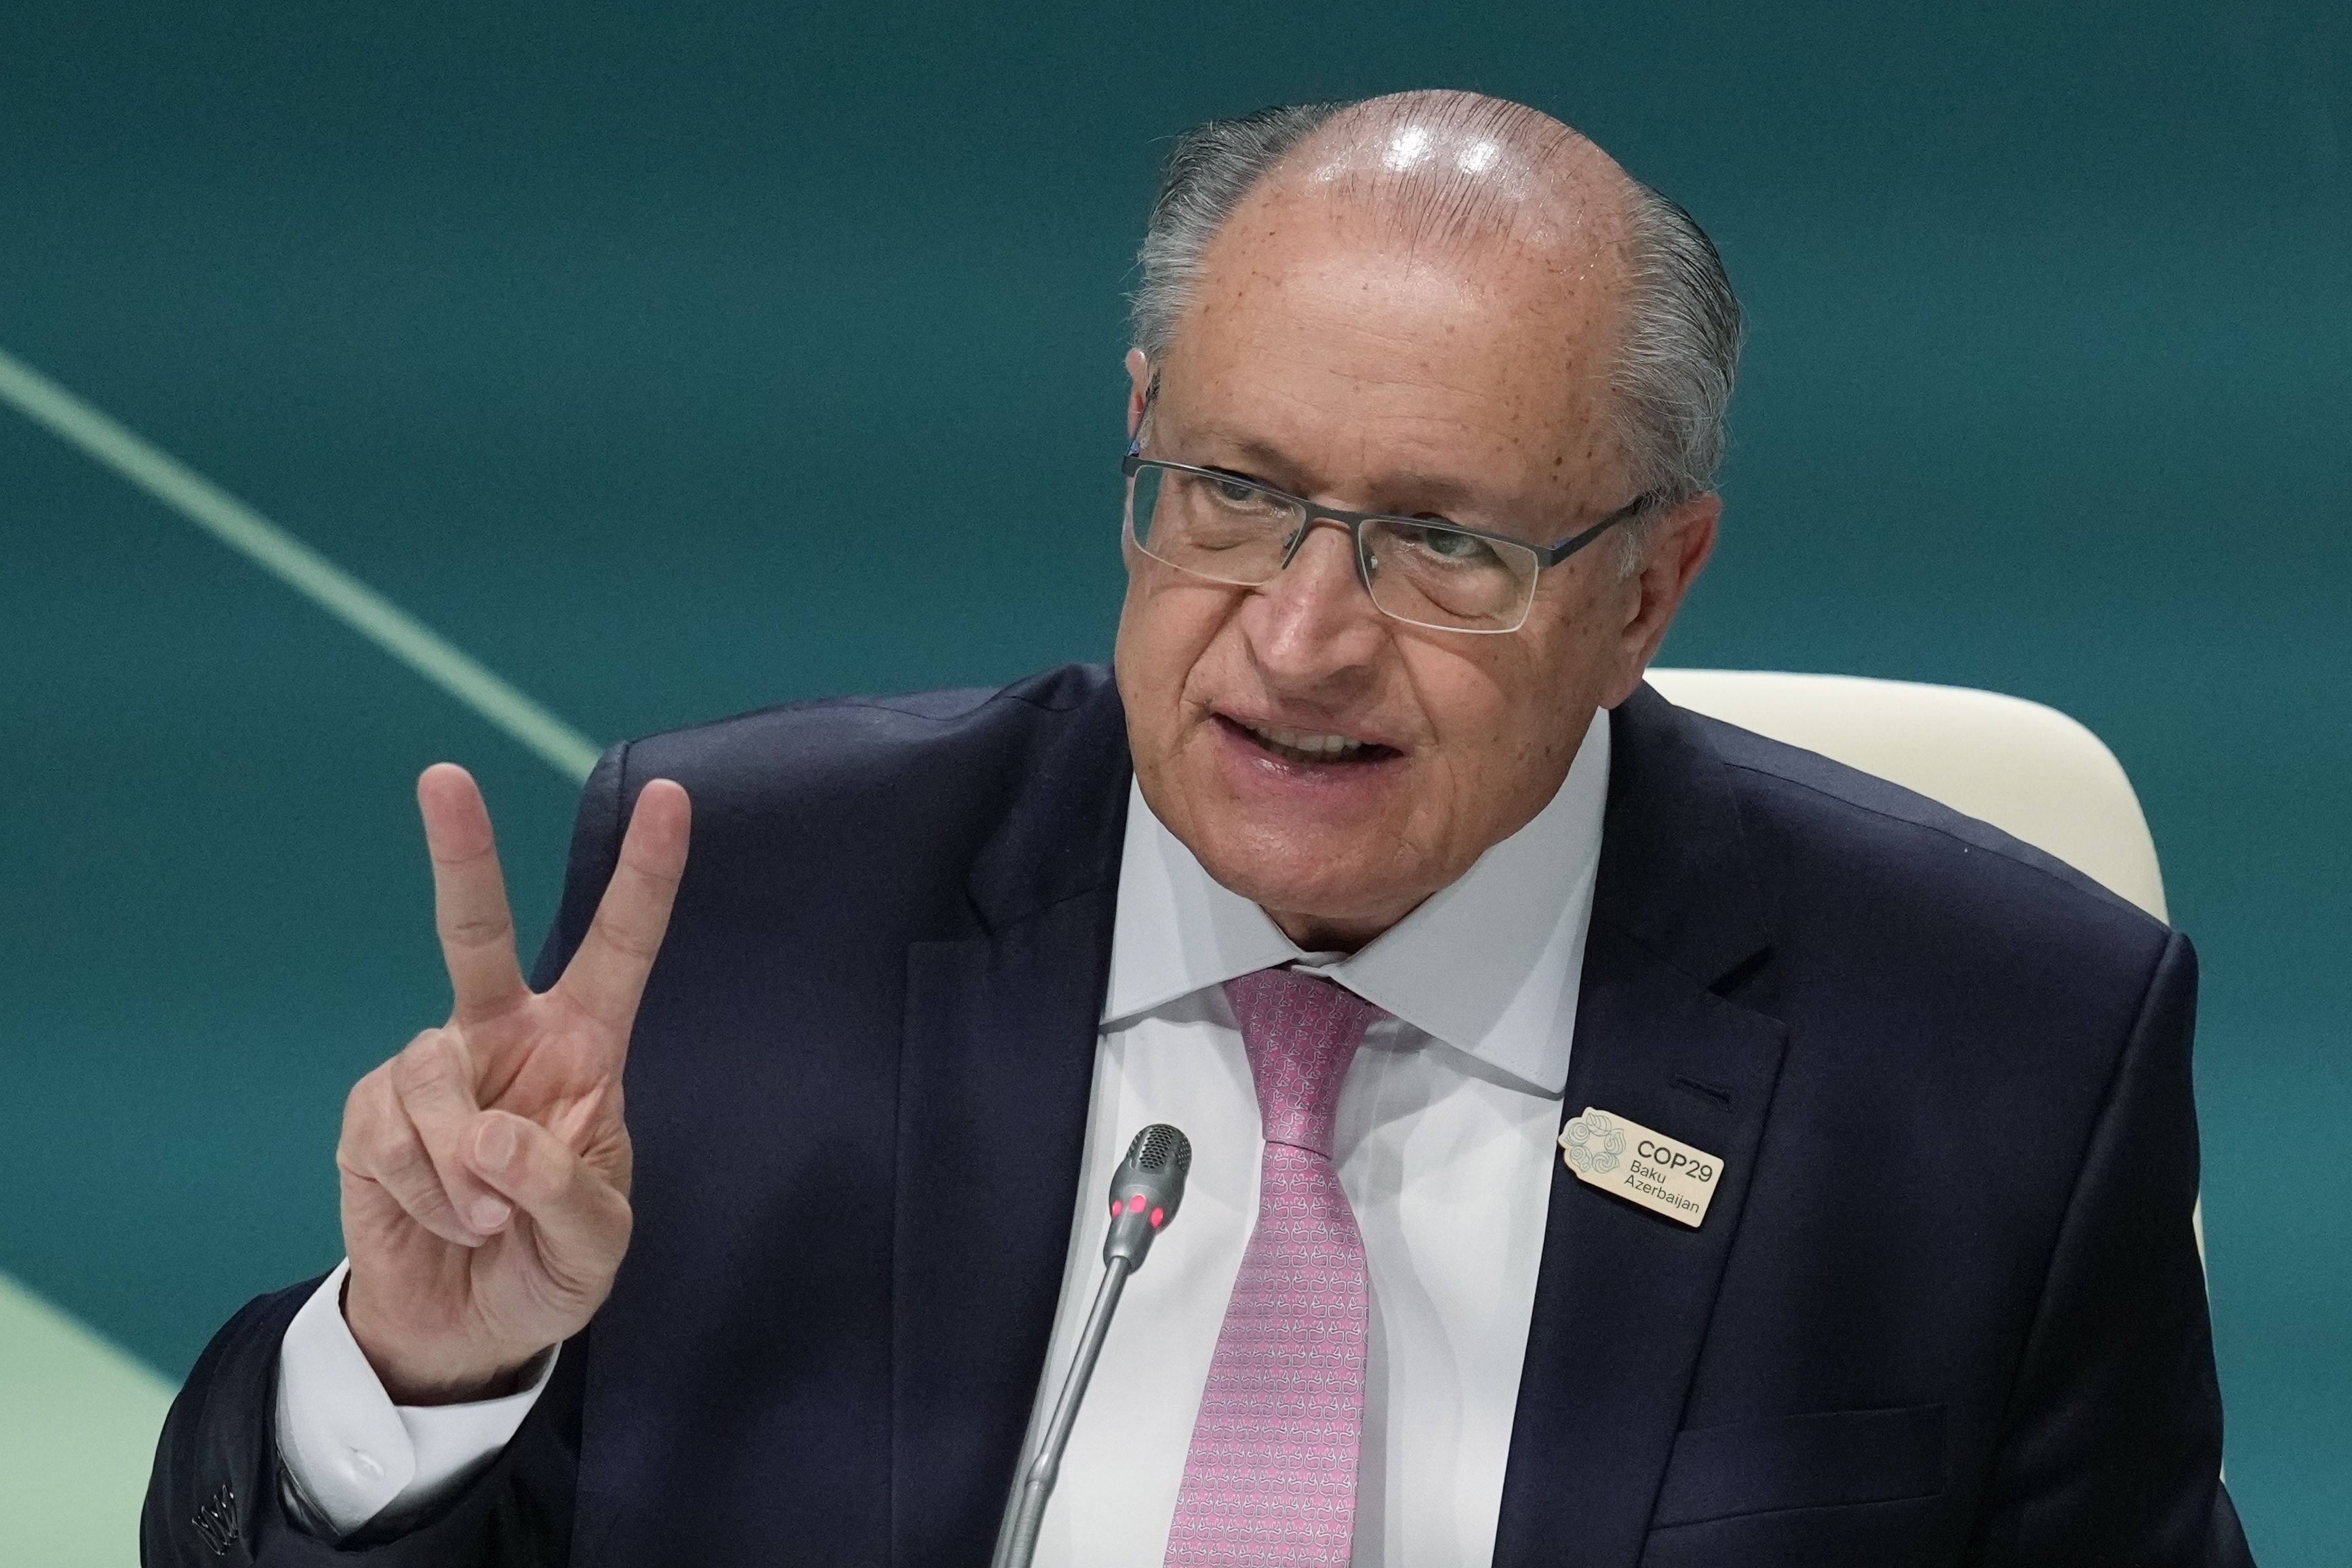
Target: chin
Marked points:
1307	876
1332	844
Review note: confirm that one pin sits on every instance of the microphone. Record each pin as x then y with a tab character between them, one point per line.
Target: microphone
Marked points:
1144	1193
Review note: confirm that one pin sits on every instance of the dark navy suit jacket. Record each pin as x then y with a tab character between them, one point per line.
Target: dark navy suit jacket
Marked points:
1945	1308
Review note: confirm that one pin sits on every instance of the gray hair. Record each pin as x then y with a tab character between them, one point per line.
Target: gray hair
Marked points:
1212	167
1680	355
1675	366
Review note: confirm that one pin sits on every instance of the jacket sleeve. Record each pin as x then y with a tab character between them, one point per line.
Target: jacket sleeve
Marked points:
2113	1448
212	1500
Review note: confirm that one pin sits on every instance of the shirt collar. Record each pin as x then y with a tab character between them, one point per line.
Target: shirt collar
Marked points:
1489	965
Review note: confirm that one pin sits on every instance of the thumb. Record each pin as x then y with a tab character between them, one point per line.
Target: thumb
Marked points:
582	1219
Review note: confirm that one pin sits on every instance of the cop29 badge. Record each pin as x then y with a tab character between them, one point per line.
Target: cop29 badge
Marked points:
1663	1175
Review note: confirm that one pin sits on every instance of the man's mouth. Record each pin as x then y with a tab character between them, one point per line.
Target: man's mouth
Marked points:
1309	745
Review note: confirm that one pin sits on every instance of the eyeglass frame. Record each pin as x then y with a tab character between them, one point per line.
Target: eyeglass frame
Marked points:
1546	556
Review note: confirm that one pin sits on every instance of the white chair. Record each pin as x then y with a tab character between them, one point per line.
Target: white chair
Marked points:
2029	770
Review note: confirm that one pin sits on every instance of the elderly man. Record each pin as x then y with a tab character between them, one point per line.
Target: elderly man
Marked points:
1619	1139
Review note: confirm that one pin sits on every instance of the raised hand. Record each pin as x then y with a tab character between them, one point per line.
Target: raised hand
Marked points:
486	1167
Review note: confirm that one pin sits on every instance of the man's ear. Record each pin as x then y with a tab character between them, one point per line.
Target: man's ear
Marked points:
1672	558
1139	376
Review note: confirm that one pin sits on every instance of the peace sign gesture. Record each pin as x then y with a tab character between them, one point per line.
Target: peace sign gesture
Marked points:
486	1167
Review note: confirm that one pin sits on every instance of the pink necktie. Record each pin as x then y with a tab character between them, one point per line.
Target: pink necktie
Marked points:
1271	1477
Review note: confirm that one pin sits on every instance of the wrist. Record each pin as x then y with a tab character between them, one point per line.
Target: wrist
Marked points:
426	1376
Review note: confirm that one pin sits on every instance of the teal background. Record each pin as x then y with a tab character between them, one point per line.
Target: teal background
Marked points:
572	328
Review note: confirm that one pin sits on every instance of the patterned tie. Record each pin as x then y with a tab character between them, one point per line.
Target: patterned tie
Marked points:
1270	1481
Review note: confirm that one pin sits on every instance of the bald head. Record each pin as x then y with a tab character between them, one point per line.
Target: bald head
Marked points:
1462	179
1459	170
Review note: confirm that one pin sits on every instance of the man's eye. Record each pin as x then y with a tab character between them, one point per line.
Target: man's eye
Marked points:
1234	493
1445	544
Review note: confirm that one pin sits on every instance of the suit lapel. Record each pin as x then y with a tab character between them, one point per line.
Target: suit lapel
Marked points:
997	1065
1623	1296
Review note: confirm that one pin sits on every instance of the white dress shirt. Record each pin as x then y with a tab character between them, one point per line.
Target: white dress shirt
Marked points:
1445	1143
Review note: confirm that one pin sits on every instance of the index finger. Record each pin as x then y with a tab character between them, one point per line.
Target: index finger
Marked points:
469	894
607	975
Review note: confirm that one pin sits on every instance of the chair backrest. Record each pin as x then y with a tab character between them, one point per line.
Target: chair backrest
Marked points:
2029	770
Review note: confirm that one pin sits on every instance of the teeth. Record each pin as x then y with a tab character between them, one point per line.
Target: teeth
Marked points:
1305	746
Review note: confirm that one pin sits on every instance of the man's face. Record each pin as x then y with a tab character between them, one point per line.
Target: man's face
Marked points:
1321	357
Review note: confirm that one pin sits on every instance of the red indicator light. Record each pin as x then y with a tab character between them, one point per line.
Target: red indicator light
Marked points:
1135	1204
1114	1208
1157	1215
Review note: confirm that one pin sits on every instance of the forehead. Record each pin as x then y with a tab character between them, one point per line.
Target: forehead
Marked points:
1321	324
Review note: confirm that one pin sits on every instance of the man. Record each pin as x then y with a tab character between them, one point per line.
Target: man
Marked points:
1376	870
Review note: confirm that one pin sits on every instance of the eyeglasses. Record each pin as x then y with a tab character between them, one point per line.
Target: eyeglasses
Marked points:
1237	531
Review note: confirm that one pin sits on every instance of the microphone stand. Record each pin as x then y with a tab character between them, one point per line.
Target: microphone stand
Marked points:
1144	1194
1021	1544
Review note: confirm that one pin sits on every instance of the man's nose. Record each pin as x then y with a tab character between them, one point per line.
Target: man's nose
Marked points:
1314	621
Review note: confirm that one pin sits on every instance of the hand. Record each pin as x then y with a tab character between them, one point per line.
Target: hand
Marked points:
486	1167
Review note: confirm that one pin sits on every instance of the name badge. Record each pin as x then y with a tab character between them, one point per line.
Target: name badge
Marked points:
1663	1175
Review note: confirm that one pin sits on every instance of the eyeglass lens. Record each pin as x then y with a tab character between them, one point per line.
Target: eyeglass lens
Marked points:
1229	530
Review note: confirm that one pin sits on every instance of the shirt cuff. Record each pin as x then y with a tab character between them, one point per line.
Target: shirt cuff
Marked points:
354	1457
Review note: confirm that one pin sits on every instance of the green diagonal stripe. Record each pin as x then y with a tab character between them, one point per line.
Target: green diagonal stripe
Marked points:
297	565
79	1420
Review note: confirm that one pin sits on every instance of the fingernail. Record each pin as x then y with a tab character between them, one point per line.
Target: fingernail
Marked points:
494	1146
488	1213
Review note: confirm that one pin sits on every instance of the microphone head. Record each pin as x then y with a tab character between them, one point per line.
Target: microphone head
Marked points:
1145	1191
